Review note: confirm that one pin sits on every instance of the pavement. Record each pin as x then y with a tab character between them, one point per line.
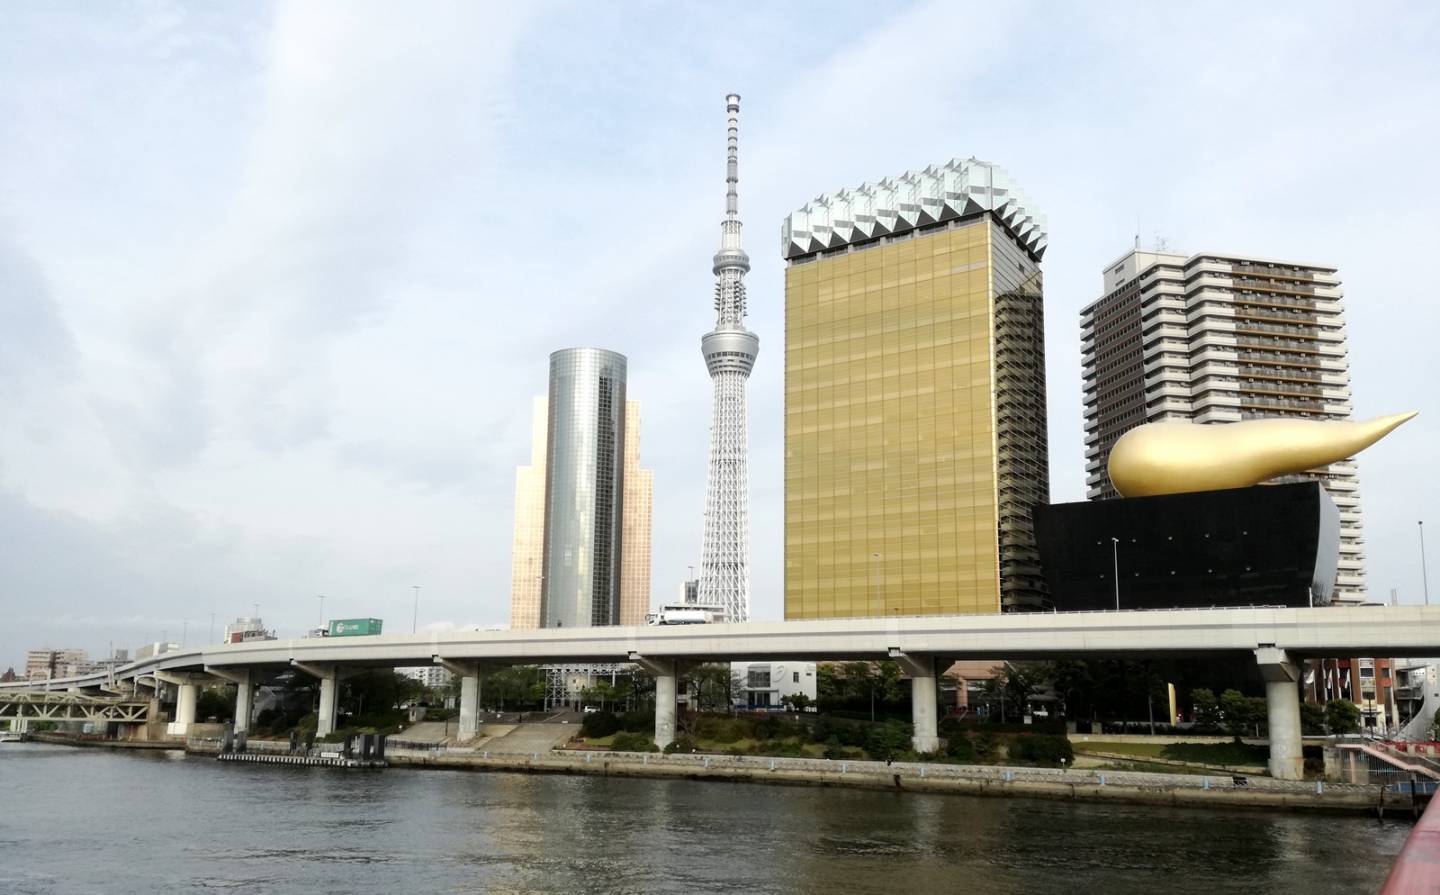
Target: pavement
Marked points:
528	738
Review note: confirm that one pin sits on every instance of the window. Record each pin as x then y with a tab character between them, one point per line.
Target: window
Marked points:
795	677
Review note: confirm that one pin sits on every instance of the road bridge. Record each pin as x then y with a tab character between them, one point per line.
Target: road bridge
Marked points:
1277	639
19	707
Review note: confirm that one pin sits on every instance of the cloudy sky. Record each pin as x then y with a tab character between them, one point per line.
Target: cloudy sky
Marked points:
277	283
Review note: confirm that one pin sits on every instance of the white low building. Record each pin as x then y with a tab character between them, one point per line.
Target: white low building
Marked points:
770	684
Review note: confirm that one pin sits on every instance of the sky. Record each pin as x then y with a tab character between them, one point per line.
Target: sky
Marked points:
278	282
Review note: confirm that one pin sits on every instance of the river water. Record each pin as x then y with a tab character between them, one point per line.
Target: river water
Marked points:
92	821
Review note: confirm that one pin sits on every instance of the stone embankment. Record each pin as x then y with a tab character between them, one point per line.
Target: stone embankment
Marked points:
1228	791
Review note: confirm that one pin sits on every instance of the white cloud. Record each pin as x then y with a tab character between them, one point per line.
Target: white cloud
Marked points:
288	278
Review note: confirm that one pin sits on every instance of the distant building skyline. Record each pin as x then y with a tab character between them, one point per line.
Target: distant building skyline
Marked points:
582	536
1218	338
915	426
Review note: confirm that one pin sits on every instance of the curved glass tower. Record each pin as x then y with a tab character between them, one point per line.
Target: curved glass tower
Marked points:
584	489
730	351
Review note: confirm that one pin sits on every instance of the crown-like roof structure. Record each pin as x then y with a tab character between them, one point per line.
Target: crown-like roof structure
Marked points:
960	188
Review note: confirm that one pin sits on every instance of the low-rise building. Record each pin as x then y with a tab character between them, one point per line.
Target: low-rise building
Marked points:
773	685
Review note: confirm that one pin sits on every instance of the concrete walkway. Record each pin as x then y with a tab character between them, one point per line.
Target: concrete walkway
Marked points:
525	739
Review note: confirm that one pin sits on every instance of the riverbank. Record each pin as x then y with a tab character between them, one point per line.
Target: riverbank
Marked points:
1178	790
60	739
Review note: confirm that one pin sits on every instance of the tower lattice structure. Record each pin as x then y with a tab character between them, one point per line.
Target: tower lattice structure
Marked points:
730	350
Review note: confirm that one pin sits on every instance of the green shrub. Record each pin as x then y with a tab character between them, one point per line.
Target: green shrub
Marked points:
787	748
1045	750
888	740
682	744
985	746
638	721
960	748
599	724
833	749
721	729
628	741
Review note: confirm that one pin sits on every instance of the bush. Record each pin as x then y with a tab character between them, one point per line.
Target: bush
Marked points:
721	729
833	749
628	741
888	740
960	748
986	746
1312	719
787	748
1045	750
638	721
599	724
682	744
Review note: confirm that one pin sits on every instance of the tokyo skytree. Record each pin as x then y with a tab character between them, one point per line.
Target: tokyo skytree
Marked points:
730	351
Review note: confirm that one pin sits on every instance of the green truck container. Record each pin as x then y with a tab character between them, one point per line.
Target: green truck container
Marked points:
355	627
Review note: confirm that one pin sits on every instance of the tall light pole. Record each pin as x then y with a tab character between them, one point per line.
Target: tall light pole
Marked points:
1115	555
321	598
1424	577
415	617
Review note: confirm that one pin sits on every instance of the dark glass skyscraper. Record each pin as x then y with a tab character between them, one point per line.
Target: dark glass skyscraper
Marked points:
585	489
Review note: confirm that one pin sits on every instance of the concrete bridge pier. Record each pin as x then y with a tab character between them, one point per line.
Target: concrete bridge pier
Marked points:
469	675
244	681
187	694
924	700
1282	698
667	683
330	677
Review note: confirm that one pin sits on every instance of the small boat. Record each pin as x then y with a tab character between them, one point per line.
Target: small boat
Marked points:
9	737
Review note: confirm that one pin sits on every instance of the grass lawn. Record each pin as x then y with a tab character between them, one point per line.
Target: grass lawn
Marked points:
1212	754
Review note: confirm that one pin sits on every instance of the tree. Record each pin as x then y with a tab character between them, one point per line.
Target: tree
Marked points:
215	702
1312	719
1243	715
1015	683
1206	708
797	702
716	686
1342	716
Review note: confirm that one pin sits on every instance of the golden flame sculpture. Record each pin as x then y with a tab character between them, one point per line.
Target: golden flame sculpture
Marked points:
1173	458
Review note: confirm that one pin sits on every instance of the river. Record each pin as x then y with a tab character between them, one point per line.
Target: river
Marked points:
100	821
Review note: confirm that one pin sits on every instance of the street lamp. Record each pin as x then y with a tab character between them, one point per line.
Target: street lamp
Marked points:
1424	578
321	598
1115	555
415	617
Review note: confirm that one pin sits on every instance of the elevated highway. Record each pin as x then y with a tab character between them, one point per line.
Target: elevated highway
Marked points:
1277	638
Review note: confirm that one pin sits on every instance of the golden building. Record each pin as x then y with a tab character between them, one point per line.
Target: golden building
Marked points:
528	547
527	552
915	441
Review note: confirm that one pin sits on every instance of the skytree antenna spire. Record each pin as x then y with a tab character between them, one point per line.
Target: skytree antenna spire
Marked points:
730	350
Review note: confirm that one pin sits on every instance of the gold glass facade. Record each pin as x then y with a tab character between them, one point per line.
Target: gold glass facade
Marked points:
635	524
527	552
914	425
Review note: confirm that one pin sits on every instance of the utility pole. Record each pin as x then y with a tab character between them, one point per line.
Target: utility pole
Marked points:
321	598
1115	555
415	617
1424	577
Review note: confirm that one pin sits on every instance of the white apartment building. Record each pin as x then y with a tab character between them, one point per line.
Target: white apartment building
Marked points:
1219	338
432	677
